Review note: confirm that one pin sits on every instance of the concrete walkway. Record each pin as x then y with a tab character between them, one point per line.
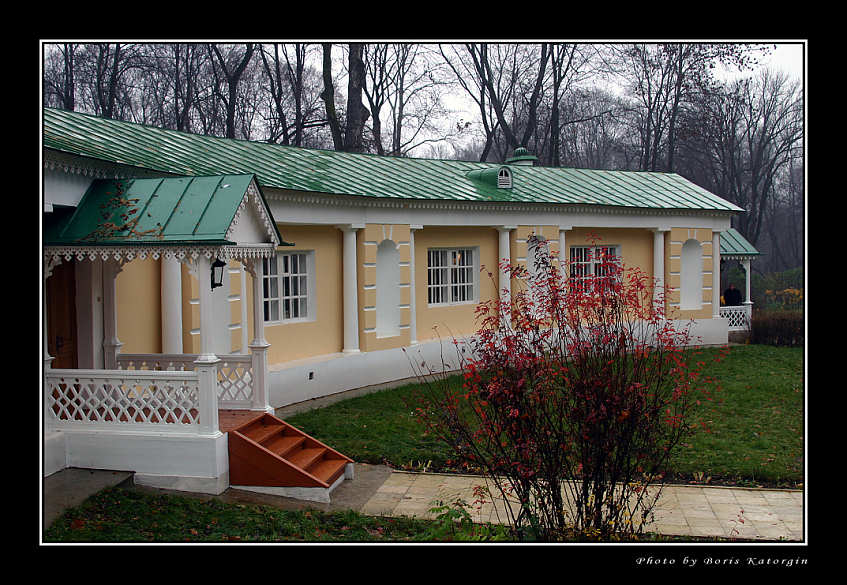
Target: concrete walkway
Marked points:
700	511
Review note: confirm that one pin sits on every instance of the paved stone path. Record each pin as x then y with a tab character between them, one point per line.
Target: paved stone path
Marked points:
706	511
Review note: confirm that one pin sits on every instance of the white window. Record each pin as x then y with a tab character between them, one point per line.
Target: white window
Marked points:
451	276
288	287
593	264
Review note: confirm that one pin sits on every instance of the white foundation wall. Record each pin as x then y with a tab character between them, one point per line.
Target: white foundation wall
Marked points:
322	376
189	463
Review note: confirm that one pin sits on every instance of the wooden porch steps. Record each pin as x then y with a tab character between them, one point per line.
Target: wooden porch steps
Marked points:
266	451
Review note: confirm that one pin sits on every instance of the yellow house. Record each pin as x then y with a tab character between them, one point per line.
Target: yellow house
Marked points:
384	258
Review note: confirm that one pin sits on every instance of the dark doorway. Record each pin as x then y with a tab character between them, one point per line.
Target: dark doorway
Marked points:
61	316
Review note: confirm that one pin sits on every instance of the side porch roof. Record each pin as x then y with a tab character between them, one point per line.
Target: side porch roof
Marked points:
174	214
734	246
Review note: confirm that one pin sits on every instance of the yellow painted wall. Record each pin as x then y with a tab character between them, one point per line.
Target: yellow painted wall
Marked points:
457	320
324	335
139	306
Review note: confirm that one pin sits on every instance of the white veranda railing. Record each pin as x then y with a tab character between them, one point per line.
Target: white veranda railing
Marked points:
738	317
139	400
235	373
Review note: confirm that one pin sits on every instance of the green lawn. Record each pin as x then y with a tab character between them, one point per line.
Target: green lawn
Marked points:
755	423
133	515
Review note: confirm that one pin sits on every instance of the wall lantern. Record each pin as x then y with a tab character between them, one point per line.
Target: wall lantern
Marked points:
218	273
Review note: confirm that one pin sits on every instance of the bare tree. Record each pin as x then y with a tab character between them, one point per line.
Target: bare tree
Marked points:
232	67
356	114
59	69
754	128
661	78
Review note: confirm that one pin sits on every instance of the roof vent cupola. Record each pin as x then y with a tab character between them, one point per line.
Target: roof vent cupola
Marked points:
522	157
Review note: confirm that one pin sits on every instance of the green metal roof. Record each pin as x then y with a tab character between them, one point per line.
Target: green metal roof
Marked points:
190	210
340	173
734	244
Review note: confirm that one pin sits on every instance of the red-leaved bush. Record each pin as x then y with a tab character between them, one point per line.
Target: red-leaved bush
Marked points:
575	394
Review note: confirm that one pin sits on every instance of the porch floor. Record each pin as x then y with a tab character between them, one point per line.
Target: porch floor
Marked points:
229	420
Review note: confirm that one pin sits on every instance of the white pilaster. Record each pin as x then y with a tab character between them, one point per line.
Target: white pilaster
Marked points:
413	307
111	343
171	295
564	257
658	264
716	274
504	256
350	288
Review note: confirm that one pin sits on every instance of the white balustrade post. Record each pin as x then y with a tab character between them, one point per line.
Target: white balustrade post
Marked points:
350	288
206	364
716	274
259	346
413	308
111	343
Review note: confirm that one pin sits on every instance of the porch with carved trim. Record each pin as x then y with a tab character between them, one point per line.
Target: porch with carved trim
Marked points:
170	396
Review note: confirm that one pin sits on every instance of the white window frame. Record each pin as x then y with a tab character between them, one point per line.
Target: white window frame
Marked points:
305	260
447	273
591	259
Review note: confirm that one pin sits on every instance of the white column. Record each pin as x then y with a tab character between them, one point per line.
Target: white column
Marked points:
746	265
259	345
206	364
171	295
207	330
111	343
350	289
658	265
48	270
413	307
716	274
504	255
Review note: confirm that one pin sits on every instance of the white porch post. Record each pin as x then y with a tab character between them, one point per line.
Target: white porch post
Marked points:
171	296
259	345
716	274
350	288
413	308
111	343
746	265
504	255
206	364
658	265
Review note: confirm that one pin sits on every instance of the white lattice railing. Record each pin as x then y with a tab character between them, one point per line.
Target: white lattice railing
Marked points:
737	316
235	373
157	401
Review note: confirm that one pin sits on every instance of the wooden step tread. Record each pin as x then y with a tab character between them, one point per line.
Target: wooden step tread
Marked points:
306	456
283	444
260	433
328	470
